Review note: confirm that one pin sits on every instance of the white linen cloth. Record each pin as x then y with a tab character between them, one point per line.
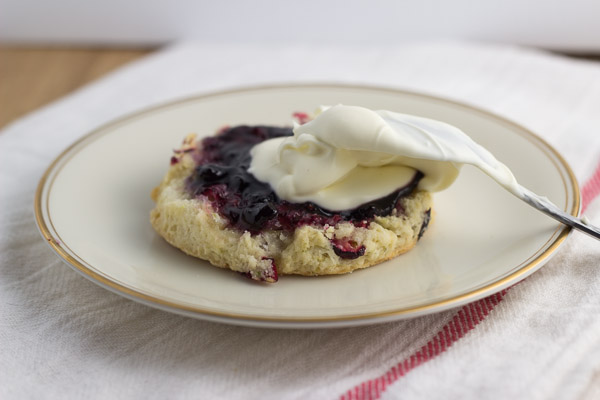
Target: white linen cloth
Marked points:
61	336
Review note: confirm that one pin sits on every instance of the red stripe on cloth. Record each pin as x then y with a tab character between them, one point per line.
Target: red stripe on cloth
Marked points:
462	322
591	189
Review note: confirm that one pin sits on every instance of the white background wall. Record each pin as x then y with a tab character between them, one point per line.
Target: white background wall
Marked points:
564	25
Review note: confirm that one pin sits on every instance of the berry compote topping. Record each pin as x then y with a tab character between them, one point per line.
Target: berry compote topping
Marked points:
426	220
250	205
347	248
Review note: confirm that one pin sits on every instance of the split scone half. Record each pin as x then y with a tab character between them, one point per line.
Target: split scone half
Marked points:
210	207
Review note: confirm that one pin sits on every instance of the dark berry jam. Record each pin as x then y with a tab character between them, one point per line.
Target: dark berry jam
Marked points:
426	220
222	176
347	248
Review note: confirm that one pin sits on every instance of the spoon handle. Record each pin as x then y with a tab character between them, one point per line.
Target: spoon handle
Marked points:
553	211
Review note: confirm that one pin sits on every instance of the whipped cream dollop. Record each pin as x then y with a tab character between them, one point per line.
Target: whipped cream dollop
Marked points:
350	155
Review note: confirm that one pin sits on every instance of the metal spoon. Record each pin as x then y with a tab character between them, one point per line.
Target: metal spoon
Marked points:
553	211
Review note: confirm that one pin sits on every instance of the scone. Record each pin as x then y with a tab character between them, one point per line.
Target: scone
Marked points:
210	206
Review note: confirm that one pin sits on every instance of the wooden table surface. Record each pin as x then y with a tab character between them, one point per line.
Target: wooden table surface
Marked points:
30	78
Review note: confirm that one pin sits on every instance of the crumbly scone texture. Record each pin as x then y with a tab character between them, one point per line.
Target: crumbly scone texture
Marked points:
192	225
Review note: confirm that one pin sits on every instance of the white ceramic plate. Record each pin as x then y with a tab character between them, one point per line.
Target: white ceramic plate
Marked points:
93	203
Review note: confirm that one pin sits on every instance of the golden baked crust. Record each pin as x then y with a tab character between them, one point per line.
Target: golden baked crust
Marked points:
192	225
